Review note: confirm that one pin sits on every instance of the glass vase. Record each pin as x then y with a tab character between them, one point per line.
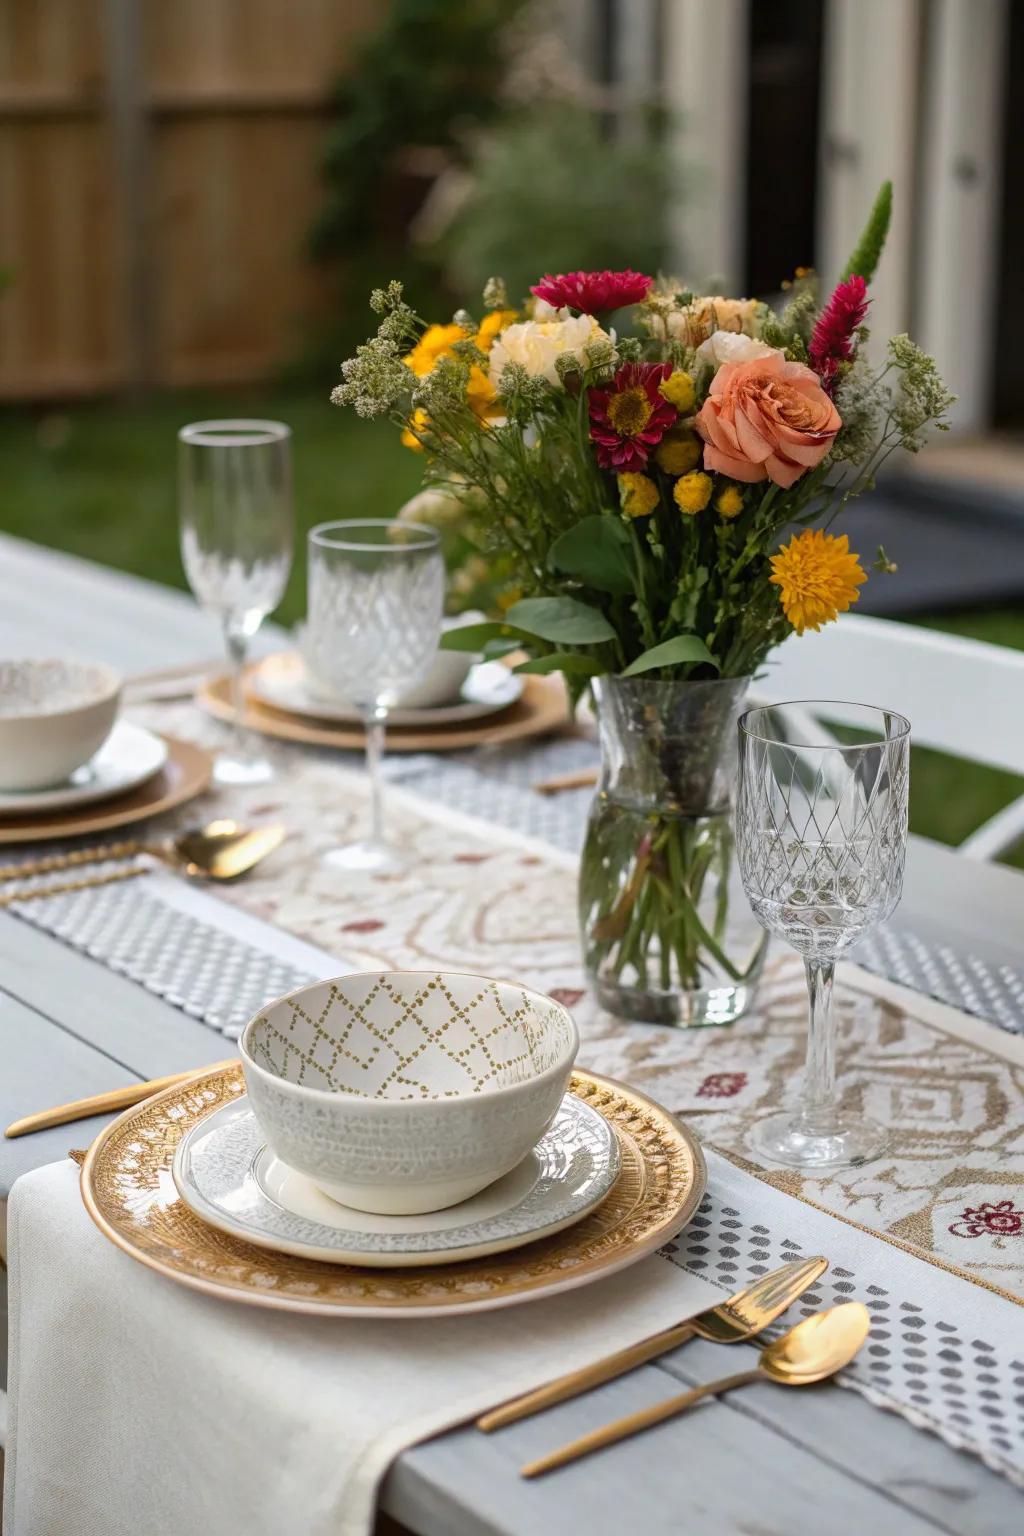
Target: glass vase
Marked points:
668	935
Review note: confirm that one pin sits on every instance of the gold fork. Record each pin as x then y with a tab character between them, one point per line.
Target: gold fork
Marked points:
732	1321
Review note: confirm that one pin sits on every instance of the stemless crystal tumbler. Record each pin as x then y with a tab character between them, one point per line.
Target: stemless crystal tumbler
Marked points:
821	834
376	595
235	504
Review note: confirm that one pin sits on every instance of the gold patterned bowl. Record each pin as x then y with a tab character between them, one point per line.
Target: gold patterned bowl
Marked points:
400	1092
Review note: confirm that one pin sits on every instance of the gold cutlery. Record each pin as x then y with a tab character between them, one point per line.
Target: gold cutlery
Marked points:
741	1317
63	887
813	1350
583	778
104	1103
221	850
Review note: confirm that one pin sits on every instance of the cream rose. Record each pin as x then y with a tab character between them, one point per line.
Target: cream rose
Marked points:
537	343
698	320
728	347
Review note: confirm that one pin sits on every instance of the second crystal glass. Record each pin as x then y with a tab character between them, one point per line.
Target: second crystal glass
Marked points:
376	596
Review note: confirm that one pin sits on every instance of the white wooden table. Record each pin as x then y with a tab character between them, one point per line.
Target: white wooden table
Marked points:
828	1462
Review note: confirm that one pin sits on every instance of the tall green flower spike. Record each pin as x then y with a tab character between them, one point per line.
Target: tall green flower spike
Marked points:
869	247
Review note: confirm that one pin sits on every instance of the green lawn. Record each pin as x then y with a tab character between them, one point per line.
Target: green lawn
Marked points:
99	480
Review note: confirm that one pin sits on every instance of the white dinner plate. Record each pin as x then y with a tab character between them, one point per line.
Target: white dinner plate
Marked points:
281	681
129	756
227	1175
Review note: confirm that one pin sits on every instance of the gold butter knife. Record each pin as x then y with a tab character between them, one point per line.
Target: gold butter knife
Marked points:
732	1321
105	1103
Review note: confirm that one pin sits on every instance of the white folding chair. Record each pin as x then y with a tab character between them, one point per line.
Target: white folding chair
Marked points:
963	697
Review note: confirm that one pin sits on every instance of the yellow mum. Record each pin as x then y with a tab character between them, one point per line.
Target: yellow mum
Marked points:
436	341
692	493
482	397
729	502
491	325
638	495
678	390
818	578
678	452
419	423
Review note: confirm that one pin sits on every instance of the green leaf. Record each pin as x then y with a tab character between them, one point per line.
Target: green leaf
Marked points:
561	620
595	551
574	663
494	650
870	245
473	637
670	653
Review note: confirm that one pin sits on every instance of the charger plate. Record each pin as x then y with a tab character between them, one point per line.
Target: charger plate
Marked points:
128	1190
185	774
540	709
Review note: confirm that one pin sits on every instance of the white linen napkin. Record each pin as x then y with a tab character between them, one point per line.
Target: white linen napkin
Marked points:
132	1398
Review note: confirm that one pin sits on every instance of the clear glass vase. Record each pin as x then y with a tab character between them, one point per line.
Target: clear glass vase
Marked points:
668	935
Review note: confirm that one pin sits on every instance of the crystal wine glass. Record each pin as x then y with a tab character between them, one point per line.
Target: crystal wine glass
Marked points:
235	508
821	831
376	595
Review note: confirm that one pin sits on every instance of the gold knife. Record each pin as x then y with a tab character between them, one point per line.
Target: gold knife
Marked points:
105	1103
732	1321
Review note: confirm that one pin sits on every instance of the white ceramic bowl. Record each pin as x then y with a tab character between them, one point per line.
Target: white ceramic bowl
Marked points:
442	684
54	716
399	1092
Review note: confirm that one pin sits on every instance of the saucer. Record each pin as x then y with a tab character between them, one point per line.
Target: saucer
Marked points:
128	757
282	682
227	1175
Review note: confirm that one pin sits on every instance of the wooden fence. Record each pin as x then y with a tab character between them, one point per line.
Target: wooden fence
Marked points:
158	175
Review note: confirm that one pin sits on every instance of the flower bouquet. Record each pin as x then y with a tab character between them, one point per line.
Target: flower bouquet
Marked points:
660	493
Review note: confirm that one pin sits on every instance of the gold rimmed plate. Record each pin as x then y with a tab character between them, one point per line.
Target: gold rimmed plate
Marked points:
129	1191
184	775
540	709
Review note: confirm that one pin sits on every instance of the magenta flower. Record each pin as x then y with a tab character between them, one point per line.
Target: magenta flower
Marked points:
594	293
832	341
630	418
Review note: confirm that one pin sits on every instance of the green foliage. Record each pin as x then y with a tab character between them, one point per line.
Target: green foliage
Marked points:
432	70
596	552
869	247
562	620
682	648
571	663
554	194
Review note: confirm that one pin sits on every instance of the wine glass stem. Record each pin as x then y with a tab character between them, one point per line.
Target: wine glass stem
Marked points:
820	1072
237	648
375	723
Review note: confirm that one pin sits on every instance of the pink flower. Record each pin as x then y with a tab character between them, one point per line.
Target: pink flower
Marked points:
832	341
766	419
593	292
632	417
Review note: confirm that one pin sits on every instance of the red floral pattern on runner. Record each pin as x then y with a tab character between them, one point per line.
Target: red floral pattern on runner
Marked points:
999	1220
722	1085
472	858
567	996
363	925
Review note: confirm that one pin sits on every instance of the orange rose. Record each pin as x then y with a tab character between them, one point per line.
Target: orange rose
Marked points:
766	419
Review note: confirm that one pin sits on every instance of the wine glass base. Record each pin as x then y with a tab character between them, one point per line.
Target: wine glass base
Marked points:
368	857
238	770
825	1140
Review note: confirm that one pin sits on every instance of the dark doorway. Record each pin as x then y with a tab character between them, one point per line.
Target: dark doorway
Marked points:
782	141
1008	400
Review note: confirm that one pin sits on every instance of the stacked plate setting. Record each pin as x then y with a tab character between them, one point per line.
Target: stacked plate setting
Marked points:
398	1119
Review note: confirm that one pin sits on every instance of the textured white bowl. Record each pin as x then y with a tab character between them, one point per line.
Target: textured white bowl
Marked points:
399	1092
54	716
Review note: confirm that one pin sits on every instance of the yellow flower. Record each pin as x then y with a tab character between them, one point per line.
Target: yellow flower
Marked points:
482	397
729	502
818	577
436	341
638	495
505	600
678	452
692	493
419	423
678	391
491	325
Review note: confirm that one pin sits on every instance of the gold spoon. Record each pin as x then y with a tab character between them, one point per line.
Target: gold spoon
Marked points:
221	850
814	1349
